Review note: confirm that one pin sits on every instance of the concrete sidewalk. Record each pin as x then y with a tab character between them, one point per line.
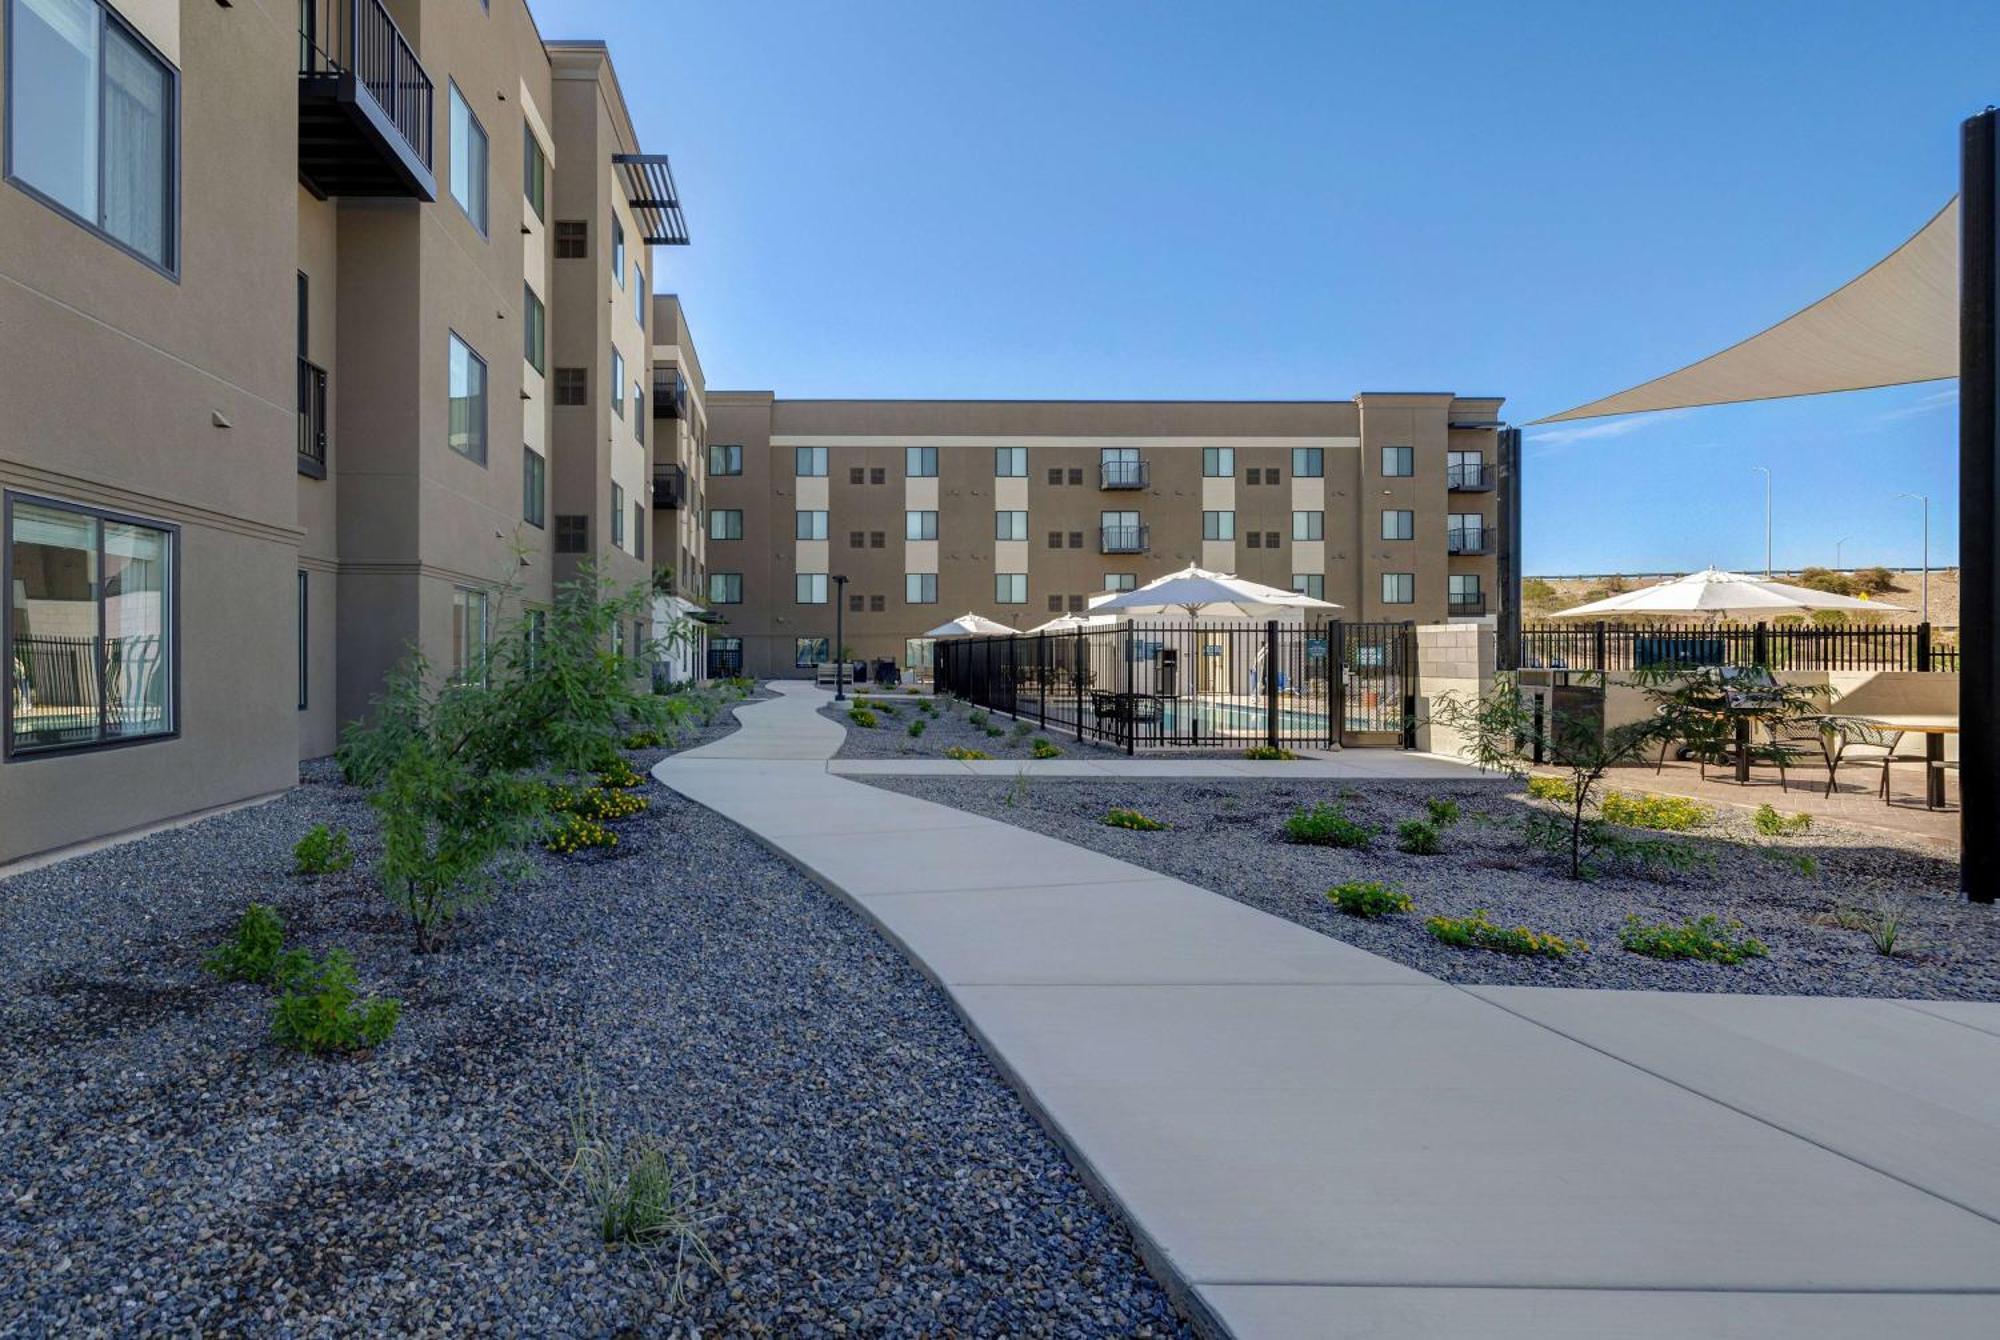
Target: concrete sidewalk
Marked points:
1309	1140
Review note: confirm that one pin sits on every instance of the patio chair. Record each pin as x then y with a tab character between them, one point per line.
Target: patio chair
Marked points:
1796	740
1866	744
1707	739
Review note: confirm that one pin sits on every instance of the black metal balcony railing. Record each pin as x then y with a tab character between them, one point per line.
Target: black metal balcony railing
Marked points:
1124	474
1470	477
1467	606
365	103
669	487
1467	540
1122	540
669	394
312	419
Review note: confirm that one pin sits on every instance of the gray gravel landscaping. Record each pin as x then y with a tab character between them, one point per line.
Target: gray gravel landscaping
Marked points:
952	726
165	1168
1225	836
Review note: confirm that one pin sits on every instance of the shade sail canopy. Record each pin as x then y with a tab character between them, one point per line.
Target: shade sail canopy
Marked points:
971	625
1897	323
1713	593
1199	593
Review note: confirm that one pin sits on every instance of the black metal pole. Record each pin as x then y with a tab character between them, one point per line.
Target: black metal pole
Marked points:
1271	683
839	639
1508	561
1979	507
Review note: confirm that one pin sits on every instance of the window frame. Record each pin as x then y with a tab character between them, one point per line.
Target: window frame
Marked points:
1224	530
171	268
920	456
617	515
1010	577
725	448
1409	459
920	579
1121	581
916	521
813	455
618	383
807	530
535	329
1016	520
458	673
1388	577
534	487
1311	584
618	249
723	578
305	639
481	222
1401	514
1316	456
803	583
534	173
485	398
1312	522
1218	462
1010	456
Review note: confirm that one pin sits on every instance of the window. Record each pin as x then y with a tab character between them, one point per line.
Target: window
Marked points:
1055	604
725	523
725	588
304	640
1255	539
617	638
1253	476
617	251
1056	476
1273	475
1076	539
1076	604
1464	588
1398	462
638	295
1010	588
1055	539
808	652
809	462
1117	468
572	386
856	603
87	649
920	525
572	533
1218	462
638	413
920	588
1218	525
920	462
535	330
1270	539
806	525
1398	524
617	516
638	530
534	486
810	588
572	239
1120	532
1010	462
877	604
1308	525
1308	462
1310	584
1465	470
468	636
856	475
618	383
1465	533
878	475
878	539
857	539
725	460
468	161
1399	588
1121	581
1010	525
1076	475
534	173
466	431
92	124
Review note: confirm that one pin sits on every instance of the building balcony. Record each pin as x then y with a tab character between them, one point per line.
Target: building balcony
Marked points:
1122	540
312	419
670	486
1469	540
1124	474
365	104
1467	607
670	391
1469	478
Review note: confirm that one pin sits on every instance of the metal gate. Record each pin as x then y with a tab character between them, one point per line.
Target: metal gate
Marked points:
1378	684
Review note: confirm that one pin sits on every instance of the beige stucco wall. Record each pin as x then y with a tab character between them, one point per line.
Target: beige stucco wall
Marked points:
1456	659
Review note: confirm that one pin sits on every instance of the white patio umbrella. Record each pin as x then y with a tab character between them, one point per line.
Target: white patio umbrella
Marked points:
970	625
1718	594
1199	593
1072	623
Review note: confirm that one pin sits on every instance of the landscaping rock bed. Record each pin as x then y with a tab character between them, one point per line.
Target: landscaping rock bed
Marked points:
1225	836
951	727
165	1168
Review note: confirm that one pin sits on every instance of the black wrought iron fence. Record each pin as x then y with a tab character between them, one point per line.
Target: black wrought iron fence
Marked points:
1197	685
1604	646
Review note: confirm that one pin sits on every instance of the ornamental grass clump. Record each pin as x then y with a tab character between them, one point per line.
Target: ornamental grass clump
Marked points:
1480	931
1326	825
1043	747
322	851
1369	899
960	752
1665	814
1121	817
638	1192
1707	938
322	1009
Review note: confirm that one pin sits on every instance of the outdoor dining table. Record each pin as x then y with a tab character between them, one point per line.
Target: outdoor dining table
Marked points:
1933	729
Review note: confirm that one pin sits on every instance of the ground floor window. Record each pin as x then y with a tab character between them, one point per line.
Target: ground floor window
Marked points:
304	641
725	657
920	653
1399	588
88	644
1310	584
468	635
809	652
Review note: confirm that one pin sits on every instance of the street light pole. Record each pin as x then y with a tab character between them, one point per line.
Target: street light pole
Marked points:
839	639
1767	518
1927	550
1839	560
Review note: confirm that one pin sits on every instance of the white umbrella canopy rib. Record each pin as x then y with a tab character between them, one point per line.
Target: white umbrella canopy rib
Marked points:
1200	593
1714	593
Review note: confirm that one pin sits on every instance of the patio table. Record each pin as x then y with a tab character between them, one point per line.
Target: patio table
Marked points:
1933	729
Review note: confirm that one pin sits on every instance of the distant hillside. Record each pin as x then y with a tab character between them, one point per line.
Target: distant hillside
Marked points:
1542	596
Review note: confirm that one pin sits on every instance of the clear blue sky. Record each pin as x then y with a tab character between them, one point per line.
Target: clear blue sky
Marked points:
1123	199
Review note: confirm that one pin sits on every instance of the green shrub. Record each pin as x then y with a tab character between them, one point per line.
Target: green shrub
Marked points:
976	717
862	717
929	708
252	953
1265	753
321	1009
322	851
1366	898
574	833
620	775
1443	813
1418	837
994	732
1044	748
1022	730
597	804
1479	931
1666	814
917	727
959	751
887	709
1555	789
1120	817
645	739
1773	824
1599	844
1704	937
1326	825
1802	862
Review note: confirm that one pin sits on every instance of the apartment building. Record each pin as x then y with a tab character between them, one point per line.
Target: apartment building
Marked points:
680	494
444	220
1386	504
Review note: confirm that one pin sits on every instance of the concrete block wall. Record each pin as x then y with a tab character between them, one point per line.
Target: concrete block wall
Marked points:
1454	658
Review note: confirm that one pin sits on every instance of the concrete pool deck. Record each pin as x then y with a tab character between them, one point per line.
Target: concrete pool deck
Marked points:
1308	1139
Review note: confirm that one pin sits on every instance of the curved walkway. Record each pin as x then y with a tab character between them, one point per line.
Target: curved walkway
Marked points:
1310	1140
